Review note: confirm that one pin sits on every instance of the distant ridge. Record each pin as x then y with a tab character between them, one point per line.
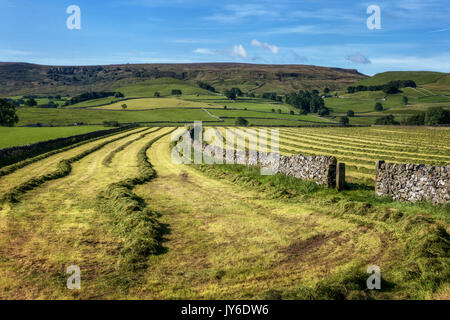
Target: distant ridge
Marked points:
26	78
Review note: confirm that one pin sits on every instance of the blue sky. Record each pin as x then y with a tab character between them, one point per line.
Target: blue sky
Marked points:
414	35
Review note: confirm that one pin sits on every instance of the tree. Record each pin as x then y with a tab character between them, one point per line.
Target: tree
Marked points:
157	94
292	112
350	113
344	121
31	102
225	107
436	116
378	106
230	94
237	92
324	112
124	106
241	122
118	95
279	110
273	110
326	91
405	100
177	92
8	116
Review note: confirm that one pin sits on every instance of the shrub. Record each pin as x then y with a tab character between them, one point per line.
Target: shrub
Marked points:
241	122
378	106
344	121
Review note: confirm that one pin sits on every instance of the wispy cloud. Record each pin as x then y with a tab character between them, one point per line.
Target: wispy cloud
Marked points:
441	30
193	41
236	12
205	51
264	45
358	58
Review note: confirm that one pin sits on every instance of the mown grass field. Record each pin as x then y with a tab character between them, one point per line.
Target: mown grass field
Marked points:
11	137
168	231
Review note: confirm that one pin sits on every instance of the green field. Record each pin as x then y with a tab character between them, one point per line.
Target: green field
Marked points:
71	116
11	137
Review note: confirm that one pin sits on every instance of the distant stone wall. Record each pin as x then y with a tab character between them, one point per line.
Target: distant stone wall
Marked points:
410	182
320	169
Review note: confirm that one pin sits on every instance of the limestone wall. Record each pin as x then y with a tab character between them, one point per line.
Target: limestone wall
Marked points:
411	182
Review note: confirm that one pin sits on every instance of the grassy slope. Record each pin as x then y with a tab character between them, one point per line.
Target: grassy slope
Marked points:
10	137
163	85
420	77
431	92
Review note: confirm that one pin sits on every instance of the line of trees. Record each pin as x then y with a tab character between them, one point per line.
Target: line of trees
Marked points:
308	102
433	116
389	88
93	95
272	96
206	86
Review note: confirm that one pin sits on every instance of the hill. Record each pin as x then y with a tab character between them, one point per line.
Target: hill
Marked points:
24	78
419	77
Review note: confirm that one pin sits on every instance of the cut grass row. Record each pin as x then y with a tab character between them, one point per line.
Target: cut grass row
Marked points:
108	159
134	222
64	168
360	153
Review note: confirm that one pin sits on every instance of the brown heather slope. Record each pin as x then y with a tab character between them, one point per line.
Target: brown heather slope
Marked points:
23	78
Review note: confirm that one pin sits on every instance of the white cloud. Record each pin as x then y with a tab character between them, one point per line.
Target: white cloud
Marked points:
236	51
239	50
273	48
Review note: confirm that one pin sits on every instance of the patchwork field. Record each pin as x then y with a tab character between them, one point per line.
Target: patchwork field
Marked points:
140	226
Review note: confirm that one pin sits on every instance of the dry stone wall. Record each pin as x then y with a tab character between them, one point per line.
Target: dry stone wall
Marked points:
411	182
320	169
